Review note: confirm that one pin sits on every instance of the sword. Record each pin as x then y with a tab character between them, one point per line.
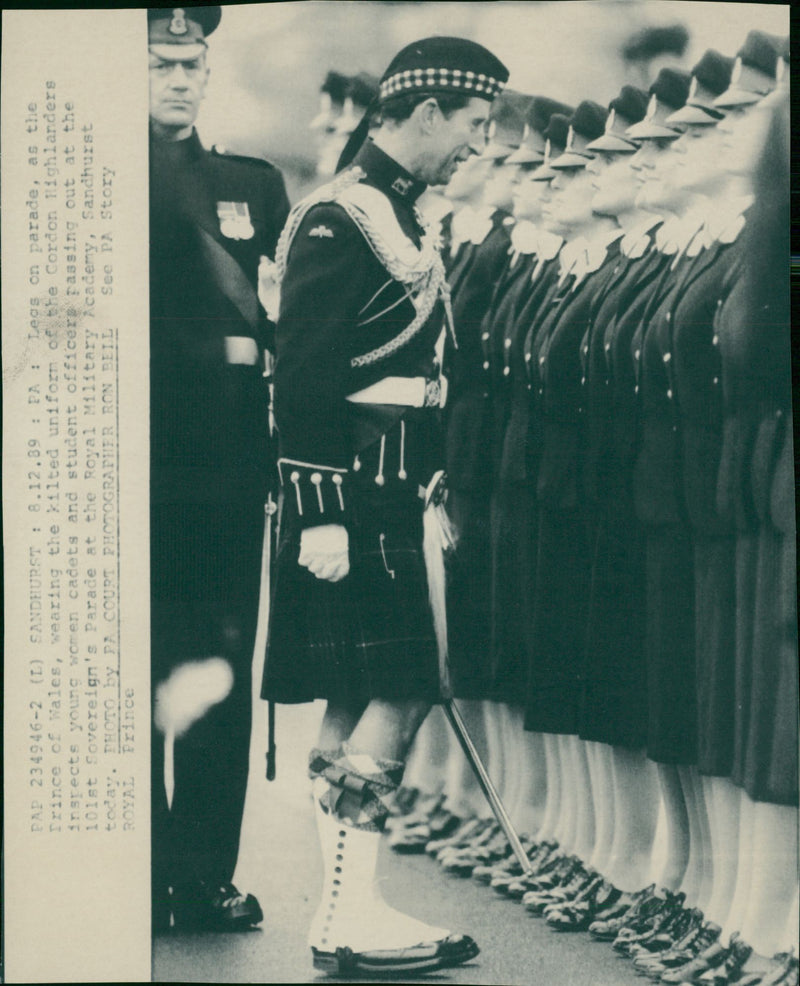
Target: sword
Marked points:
439	537
270	507
485	782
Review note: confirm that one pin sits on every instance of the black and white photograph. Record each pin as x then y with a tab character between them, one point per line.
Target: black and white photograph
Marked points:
399	492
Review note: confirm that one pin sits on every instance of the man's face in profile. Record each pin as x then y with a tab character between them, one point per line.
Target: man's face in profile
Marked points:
177	87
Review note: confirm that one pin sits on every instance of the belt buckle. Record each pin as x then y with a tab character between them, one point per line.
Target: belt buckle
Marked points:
433	393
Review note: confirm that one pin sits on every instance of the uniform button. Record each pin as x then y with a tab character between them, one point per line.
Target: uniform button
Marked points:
715	340
669	394
608	347
484	336
586	349
719	302
583	381
636	389
486	365
529	387
637	354
715	381
541	391
667	357
541	360
779	413
669	316
507	343
527	357
506	370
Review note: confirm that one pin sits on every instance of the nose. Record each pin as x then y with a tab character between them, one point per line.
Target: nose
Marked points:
179	77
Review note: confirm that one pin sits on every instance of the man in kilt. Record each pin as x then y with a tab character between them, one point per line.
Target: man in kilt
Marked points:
358	396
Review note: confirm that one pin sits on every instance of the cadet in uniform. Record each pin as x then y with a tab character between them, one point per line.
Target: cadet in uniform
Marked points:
212	216
358	395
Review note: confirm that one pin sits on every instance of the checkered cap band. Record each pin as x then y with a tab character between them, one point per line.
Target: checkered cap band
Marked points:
439	79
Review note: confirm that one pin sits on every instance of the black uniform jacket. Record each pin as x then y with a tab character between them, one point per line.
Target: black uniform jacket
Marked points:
209	428
339	330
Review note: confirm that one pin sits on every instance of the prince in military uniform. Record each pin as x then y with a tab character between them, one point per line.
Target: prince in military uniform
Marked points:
358	397
212	217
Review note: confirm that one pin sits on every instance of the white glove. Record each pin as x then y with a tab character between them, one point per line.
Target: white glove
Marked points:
324	551
269	288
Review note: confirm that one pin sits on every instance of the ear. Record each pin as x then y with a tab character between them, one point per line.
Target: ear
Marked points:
427	115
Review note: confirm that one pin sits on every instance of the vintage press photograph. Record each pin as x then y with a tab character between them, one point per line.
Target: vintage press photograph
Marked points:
488	304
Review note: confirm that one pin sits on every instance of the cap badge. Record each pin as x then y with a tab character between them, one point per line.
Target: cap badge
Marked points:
178	23
692	88
402	185
321	232
780	70
736	74
652	107
570	139
612	116
234	220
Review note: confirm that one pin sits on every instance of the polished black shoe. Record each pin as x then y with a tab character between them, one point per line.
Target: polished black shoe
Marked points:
214	907
628	908
695	941
445	954
710	958
577	915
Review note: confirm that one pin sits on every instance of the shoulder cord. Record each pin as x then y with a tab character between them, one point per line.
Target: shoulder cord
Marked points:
426	277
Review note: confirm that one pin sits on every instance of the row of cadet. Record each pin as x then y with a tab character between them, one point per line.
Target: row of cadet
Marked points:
622	601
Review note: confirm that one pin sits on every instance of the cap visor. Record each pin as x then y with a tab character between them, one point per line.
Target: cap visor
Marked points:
178	53
613	143
697	115
545	173
496	152
738	97
525	156
569	159
649	131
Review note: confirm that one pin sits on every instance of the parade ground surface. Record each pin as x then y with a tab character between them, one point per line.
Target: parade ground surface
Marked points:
280	862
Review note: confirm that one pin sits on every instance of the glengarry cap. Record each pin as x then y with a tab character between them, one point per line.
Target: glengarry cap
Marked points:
442	64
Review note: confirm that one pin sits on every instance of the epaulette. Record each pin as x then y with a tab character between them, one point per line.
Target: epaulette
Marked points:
219	151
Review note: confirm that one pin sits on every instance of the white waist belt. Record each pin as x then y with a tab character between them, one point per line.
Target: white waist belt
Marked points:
405	391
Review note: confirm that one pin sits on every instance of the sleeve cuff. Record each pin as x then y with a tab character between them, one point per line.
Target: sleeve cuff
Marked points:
318	493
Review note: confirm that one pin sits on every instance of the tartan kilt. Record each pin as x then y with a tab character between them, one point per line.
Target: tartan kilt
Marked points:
371	635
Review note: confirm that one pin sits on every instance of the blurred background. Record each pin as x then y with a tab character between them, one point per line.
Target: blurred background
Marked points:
268	61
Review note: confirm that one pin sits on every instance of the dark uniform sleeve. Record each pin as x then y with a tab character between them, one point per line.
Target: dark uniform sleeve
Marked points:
323	290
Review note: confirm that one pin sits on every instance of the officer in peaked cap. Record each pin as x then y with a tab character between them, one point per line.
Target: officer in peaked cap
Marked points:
667	94
555	139
212	217
586	124
359	392
532	147
710	77
626	109
753	75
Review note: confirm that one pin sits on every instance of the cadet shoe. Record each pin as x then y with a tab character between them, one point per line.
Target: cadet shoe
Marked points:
710	958
579	914
695	941
511	872
444	954
669	908
776	972
730	970
682	924
214	907
606	927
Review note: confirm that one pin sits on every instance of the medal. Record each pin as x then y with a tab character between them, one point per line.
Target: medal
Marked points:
234	220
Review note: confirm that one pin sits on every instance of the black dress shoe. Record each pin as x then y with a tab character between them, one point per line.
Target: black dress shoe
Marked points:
451	951
214	907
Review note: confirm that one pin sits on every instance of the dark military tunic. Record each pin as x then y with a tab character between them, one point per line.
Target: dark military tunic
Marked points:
513	519
614	697
469	455
561	581
343	326
210	462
